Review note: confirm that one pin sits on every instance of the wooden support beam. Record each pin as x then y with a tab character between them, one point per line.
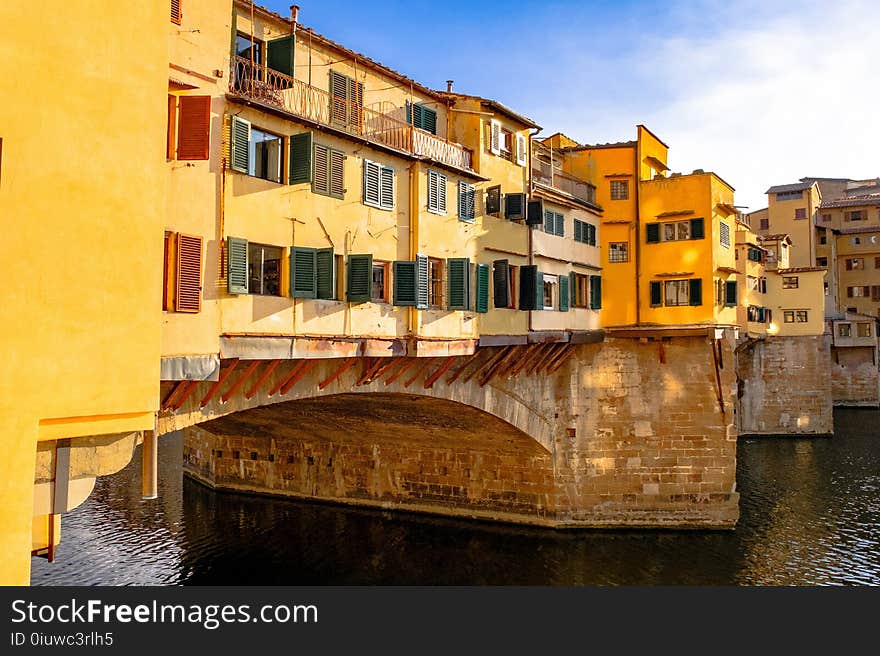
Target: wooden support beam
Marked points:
502	362
223	376
407	363
234	388
515	356
285	379
495	357
190	388
561	361
419	370
544	359
528	356
442	369
262	379
345	366
367	363
370	372
307	366
459	371
172	395
539	355
384	367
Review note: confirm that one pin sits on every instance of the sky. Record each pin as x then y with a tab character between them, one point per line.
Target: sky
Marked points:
760	92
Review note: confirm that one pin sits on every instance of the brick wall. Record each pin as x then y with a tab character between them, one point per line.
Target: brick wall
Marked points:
854	377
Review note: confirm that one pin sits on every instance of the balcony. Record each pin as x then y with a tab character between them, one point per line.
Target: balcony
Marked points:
546	173
292	96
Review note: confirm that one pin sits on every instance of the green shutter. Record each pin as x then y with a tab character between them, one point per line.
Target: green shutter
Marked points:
563	293
696	291
697	229
527	282
539	290
596	292
429	120
300	165
236	265
422	282
656	293
239	148
360	278
280	56
493	200
591	234
482	288
730	293
572	289
548	222
559	227
303	279
404	283
409	112
458	271
652	233
514	206
325	272
501	283
578	230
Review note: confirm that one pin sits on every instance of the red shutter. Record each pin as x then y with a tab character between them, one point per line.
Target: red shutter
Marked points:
194	127
176	14
189	273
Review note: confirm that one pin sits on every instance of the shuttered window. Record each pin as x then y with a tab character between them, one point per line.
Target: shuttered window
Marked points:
378	185
494	137
724	234
421	117
554	224
329	172
482	288
300	165
346	101
404	283
194	127
584	232
436	192
279	57
240	145
531	288
188	297
515	207
423	281
459	283
501	283
172	126
730	293
176	11
652	233
564	293
360	278
535	212
522	149
236	265
386	188
467	194
596	292
303	272
656	293
493	200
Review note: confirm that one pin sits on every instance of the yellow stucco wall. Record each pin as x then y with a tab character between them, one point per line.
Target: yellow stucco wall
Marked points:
808	295
83	129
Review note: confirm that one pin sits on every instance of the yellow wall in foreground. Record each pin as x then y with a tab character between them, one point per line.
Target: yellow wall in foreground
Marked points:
82	190
809	296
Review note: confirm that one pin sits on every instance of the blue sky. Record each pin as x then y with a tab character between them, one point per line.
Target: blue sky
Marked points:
761	93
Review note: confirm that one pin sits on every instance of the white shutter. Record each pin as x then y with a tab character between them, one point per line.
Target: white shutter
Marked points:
386	188
371	183
441	193
521	149
432	191
495	137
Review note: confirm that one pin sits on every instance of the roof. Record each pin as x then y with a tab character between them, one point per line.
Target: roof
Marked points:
493	104
777	237
852	201
646	129
800	270
361	58
781	189
616	144
861	230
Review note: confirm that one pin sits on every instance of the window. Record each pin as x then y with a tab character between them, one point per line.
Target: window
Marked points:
789	195
580	287
875	293
856	215
790	282
265	155
855	241
755	254
674	231
752	283
844	330
435	282
801	316
245	46
877	262
618	251
800	213
826	218
176	14
795	316
584	232
554	223
329	172
619	189
264	270
823	236
467	194
506	143
855	263
858	291
494	140
379	289
863	329
378	185
676	292
724	234
346	101
678	231
765	224
436	192
421	117
788	316
763	285
549	292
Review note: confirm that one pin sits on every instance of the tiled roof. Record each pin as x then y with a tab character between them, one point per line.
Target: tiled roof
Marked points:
800	270
494	104
777	237
852	201
781	189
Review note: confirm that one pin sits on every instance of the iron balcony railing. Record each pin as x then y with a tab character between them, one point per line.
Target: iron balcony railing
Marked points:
293	96
548	175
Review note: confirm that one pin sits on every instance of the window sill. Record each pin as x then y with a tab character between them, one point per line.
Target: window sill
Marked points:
255	177
437	212
373	205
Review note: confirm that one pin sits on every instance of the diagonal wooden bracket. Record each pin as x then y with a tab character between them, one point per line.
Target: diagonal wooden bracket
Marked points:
213	389
349	362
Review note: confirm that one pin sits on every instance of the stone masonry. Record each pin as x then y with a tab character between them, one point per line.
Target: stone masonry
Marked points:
854	378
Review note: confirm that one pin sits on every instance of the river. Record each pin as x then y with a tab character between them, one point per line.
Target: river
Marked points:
810	515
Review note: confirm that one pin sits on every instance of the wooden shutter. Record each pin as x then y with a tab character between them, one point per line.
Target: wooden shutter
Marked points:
528	280
194	127
514	206
300	165
325	273
578	230
494	137
338	97
188	294
482	288
360	278
535	212
441	193
501	283
404	283
697	229
652	233
337	174
730	289
564	294
591	239
422	282
176	12
409	112
422	117
466	198
386	188
240	145
696	291
458	278
236	265
539	290
172	126
522	154
371	183
656	293
572	288
303	272
433	203
548	222
279	57
321	177
493	200
596	292
559	224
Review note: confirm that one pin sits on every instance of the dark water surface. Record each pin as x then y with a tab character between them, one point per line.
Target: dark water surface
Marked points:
810	514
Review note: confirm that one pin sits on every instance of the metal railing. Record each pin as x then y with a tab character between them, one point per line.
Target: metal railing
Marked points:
296	97
546	174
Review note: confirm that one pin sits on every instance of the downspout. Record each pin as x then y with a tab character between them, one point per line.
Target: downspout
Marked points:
531	189
638	241
414	171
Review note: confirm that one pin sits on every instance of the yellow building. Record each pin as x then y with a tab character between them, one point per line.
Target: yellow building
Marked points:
753	315
792	210
81	325
796	299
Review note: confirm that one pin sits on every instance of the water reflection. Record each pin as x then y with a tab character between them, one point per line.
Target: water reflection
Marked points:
810	515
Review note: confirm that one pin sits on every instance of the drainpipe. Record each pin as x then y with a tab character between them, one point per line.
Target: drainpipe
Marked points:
638	242
531	188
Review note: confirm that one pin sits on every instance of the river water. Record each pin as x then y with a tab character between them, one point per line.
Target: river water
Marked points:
810	514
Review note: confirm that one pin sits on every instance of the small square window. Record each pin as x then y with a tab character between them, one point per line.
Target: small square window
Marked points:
844	330
619	189
618	251
379	293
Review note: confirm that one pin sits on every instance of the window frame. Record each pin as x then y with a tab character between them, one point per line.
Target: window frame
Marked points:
790	282
442	183
262	274
549	283
581	290
435	283
615	260
680	284
252	154
379	169
618	189
385	267
848	329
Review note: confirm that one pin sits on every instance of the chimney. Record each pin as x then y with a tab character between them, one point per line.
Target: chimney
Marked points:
449	86
294	13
